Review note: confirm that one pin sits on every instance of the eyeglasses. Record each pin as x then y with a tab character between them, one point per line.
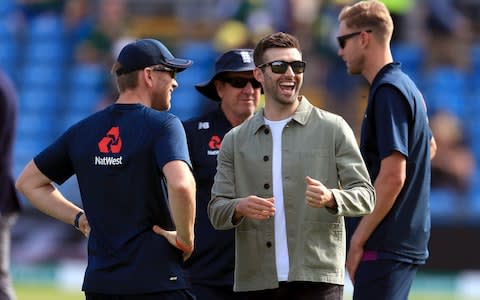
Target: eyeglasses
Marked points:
280	66
241	82
172	72
342	40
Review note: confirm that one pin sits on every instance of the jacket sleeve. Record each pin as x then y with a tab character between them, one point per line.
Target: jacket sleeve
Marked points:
222	203
356	197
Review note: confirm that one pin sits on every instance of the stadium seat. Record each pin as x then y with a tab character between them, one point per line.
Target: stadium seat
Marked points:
38	100
71	117
36	126
46	76
88	76
202	53
473	204
186	103
442	205
84	100
445	89
411	56
6	7
45	27
8	47
46	52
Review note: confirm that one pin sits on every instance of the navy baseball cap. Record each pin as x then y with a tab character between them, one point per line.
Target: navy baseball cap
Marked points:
148	52
236	60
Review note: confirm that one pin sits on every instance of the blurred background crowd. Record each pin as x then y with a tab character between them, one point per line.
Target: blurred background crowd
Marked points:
59	54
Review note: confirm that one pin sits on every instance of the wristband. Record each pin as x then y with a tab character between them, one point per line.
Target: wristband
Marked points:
182	246
77	219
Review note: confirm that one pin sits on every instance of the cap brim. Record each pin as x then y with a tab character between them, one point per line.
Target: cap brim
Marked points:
208	89
178	63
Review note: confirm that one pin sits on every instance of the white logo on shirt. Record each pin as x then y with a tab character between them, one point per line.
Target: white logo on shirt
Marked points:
203	125
108	161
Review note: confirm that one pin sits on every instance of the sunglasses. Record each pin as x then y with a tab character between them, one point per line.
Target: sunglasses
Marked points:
280	66
342	40
241	82
172	72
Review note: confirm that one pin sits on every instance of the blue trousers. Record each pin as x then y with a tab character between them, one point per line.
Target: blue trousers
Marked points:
383	279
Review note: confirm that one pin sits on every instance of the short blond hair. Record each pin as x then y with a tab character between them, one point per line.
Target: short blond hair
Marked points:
127	81
370	14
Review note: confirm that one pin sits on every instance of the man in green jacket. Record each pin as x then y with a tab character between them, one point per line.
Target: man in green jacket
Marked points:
285	180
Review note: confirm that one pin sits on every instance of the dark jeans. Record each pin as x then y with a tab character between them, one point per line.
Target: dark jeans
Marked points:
383	279
167	295
299	290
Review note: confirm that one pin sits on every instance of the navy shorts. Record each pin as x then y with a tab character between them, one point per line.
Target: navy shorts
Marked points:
383	279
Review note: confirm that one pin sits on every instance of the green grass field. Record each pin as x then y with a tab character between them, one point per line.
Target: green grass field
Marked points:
48	292
49	283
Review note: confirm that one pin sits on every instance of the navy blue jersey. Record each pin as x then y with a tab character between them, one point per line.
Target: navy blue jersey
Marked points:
213	260
396	120
118	155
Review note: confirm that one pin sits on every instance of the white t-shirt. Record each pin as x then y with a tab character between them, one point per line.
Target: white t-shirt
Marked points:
281	249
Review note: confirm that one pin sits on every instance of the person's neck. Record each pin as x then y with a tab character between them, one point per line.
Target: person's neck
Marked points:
133	97
378	60
232	118
275	111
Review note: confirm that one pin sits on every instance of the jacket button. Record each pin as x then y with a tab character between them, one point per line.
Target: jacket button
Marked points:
265	158
266	131
266	186
269	244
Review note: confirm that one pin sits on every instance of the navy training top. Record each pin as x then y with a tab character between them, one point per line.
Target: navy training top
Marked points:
396	120
118	155
213	260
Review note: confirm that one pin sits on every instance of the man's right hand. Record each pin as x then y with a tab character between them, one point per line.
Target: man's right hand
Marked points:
175	241
255	207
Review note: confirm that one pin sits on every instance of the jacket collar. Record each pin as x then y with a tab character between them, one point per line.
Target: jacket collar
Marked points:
300	116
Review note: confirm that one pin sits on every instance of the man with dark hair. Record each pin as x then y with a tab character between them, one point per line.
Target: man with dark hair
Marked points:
387	246
212	263
286	178
126	157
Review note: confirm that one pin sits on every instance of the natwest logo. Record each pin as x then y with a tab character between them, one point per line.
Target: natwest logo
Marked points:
111	143
108	161
214	144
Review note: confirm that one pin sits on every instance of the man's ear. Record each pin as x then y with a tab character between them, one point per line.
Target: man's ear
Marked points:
258	74
219	86
365	39
147	77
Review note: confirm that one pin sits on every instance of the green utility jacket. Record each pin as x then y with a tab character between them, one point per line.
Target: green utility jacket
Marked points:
314	143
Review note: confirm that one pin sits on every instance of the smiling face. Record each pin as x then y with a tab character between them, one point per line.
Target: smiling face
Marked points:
163	84
280	89
239	97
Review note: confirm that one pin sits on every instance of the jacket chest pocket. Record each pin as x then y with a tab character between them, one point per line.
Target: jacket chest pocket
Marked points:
312	162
